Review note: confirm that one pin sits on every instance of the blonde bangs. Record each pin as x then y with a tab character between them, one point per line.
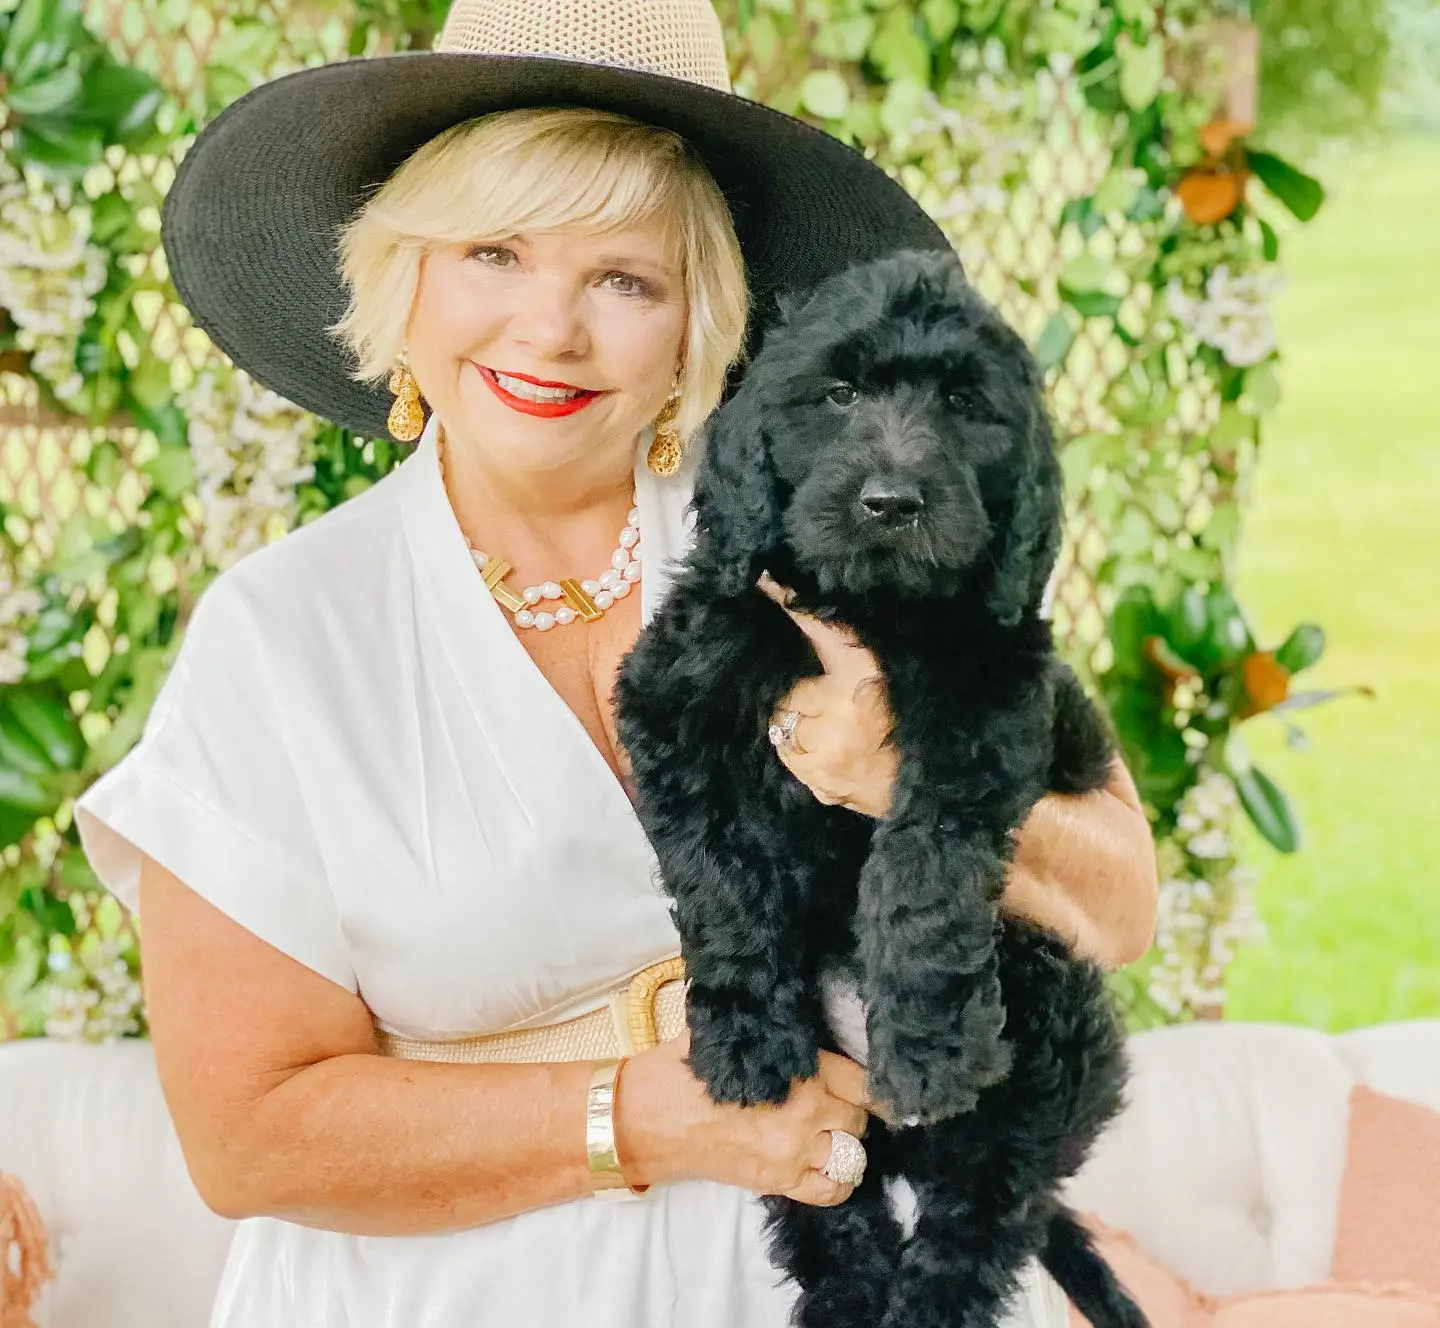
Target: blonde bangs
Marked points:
553	169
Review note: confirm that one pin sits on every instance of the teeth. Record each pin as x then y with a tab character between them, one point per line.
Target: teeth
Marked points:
530	392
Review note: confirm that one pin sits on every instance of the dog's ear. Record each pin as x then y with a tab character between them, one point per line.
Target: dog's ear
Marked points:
736	501
1032	534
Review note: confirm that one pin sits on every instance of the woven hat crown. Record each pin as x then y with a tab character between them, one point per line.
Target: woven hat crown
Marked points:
678	38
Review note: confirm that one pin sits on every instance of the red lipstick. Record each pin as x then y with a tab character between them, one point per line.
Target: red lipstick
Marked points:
545	410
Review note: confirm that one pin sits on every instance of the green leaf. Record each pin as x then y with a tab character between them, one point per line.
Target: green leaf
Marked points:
1142	70
172	471
54	915
845	38
1054	341
1186	622
1084	272
1301	193
149	382
59	148
19	748
1268	808
15	824
1262	387
1119	190
942	17
48	95
1270	242
249	45
1223	526
1229	637
1302	648
122	102
48	721
1093	304
1132	622
1082	213
26	792
222	86
898	51
42	33
824	93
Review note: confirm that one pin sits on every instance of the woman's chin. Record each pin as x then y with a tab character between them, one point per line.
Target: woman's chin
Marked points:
528	442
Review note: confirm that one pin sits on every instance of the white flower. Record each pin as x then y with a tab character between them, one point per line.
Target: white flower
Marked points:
17	606
49	273
91	996
248	445
1206	902
1234	315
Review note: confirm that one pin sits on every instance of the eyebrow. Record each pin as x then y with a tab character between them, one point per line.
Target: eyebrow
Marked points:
635	260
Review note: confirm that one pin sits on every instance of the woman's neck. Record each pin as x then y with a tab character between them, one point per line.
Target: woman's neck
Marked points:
545	525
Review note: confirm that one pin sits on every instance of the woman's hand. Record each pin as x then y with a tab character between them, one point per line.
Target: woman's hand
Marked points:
667	1128
842	751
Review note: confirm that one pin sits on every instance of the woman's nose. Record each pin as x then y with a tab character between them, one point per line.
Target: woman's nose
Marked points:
549	318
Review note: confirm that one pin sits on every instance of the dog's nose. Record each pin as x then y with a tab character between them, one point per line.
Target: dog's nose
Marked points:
891	499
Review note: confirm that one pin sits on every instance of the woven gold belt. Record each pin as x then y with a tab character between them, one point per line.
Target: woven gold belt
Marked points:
646	1011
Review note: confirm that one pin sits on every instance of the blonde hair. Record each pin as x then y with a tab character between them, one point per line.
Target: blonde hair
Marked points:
547	170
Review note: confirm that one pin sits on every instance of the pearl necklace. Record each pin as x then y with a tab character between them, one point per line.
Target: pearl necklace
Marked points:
582	601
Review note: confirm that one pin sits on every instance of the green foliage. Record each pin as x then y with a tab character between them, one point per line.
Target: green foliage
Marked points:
66	98
942	94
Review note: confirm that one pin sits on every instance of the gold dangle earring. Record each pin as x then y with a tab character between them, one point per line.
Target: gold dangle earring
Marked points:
407	418
668	449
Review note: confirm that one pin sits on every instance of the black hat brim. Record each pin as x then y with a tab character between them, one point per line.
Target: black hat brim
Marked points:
252	220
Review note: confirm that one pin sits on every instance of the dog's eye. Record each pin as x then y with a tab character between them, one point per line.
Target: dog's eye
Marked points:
842	394
959	399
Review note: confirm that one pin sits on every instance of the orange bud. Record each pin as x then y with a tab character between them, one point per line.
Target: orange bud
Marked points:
1267	682
1209	196
1217	136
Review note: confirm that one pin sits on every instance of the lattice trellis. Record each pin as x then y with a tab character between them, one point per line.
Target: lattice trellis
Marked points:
178	42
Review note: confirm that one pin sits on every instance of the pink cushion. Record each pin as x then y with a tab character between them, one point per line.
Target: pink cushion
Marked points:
24	1254
1389	1223
1169	1301
1328	1306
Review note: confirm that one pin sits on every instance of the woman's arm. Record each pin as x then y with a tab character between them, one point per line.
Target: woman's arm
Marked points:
1084	864
1085	867
284	1108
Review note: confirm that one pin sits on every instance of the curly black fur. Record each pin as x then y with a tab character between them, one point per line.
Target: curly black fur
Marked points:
888	456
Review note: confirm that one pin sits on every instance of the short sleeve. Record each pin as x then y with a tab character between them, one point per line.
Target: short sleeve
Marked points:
212	793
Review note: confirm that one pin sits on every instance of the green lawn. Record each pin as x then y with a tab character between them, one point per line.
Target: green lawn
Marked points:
1344	530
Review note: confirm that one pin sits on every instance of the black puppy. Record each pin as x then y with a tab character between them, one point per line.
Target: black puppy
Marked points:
888	457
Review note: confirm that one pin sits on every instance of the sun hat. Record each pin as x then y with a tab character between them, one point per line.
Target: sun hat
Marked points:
252	219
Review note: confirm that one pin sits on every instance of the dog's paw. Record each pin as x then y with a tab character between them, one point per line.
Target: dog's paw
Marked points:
743	1059
923	1089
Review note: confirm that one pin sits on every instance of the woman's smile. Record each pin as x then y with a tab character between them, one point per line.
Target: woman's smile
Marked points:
536	396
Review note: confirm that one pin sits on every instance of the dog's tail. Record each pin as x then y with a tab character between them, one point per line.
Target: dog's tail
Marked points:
1070	1257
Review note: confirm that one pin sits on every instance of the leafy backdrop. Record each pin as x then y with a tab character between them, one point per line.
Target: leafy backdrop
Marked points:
1094	161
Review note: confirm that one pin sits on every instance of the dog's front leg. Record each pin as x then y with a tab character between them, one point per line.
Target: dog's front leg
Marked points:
927	934
754	1025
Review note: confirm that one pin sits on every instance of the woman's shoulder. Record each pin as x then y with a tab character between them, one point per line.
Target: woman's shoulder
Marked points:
323	577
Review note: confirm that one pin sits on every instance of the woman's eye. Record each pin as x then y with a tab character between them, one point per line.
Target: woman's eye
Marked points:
842	394
492	255
626	284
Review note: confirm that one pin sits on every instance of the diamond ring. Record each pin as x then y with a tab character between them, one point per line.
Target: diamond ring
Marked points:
782	733
847	1159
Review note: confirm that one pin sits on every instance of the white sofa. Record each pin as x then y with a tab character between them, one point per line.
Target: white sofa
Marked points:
1226	1163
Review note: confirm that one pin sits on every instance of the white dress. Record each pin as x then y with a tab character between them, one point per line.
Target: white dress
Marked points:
355	759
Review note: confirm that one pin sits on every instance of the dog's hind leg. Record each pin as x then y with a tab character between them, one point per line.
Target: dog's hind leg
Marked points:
842	1258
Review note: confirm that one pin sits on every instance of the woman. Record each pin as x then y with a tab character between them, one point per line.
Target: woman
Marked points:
379	804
